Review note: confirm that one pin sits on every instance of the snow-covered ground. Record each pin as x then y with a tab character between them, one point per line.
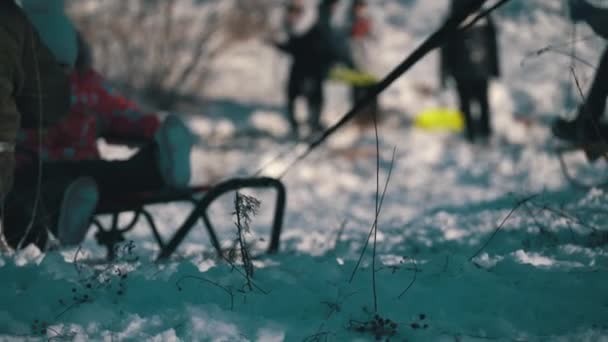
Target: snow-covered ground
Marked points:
441	272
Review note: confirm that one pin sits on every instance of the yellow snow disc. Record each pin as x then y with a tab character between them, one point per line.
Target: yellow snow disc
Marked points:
352	76
440	119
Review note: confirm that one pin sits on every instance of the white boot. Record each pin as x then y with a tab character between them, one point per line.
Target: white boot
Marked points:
77	208
174	141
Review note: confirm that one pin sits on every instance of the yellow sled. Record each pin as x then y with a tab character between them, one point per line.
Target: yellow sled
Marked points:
352	76
444	119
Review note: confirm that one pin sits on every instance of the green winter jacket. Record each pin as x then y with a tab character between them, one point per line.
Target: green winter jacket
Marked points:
34	89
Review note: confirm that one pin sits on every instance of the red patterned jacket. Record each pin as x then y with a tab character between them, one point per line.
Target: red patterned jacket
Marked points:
97	110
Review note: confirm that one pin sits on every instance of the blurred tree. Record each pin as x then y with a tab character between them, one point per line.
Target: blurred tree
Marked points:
162	49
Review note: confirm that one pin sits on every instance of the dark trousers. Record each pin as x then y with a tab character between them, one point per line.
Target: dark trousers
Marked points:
469	93
311	88
113	177
367	113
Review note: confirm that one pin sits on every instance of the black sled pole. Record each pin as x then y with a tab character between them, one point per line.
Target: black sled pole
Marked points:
453	24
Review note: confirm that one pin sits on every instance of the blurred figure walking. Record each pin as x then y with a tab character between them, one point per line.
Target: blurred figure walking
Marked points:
313	53
470	57
361	46
586	127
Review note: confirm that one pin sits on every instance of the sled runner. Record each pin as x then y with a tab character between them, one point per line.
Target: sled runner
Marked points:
200	196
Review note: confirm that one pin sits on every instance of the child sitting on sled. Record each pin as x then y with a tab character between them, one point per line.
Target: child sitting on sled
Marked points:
65	157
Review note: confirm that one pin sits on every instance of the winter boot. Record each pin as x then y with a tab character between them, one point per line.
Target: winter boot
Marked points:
174	146
587	134
77	207
565	130
580	130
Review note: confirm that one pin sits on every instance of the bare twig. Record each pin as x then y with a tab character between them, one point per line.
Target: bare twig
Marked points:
577	83
60	335
373	225
205	280
556	48
339	234
563	214
245	207
253	284
73	305
413	280
75	260
321	336
542	229
517	205
558	52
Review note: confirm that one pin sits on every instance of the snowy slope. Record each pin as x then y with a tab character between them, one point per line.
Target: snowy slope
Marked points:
441	273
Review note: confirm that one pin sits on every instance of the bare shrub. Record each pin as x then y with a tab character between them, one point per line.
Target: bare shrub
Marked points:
163	49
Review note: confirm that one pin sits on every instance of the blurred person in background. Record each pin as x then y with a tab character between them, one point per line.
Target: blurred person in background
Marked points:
74	177
470	57
313	52
362	37
586	127
34	91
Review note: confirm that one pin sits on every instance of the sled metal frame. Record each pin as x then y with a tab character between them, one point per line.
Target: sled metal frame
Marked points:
200	196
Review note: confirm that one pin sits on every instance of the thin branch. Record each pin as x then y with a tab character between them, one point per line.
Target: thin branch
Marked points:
561	213
375	227
542	229
517	205
218	285
411	282
70	307
242	212
75	261
390	171
233	266
578	85
339	234
558	52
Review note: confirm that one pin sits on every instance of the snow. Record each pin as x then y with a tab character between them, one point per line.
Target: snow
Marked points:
541	277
